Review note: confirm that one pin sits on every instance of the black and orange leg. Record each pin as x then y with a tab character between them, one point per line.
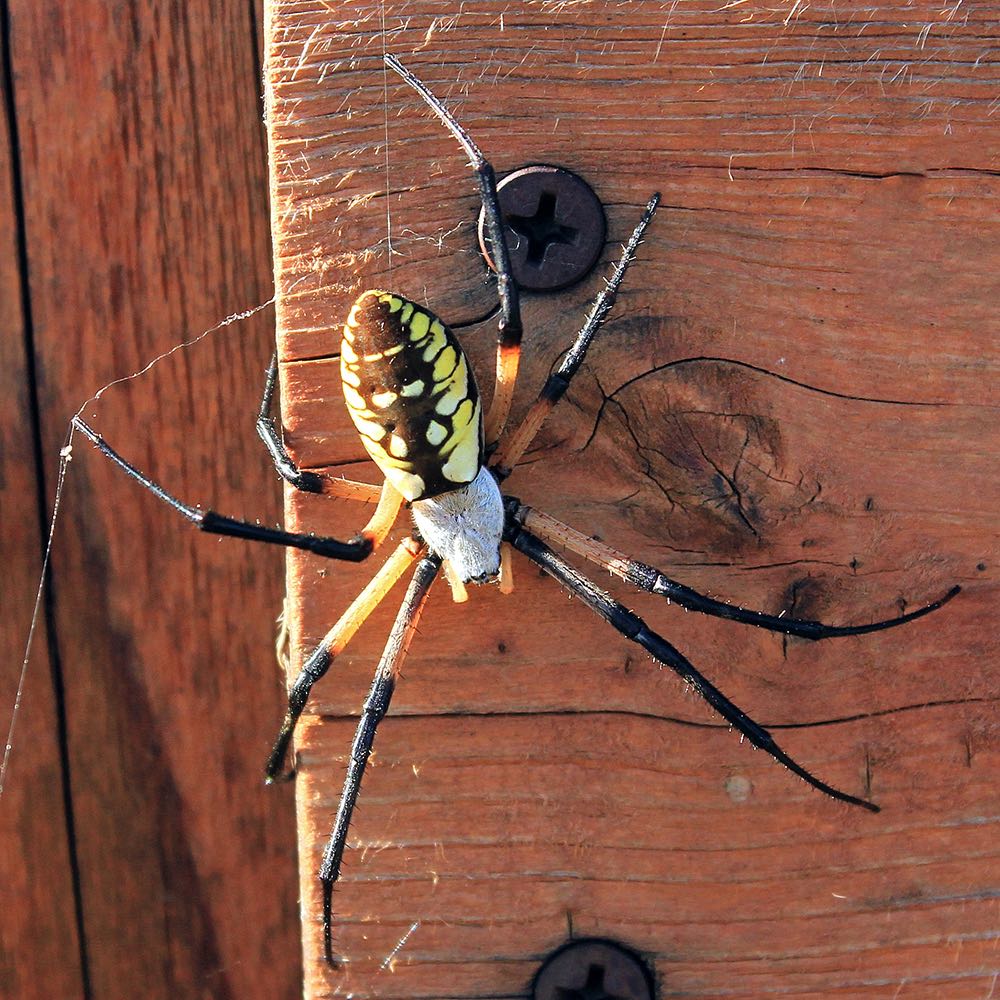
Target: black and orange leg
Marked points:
375	707
302	479
510	328
334	643
653	581
635	629
515	444
354	550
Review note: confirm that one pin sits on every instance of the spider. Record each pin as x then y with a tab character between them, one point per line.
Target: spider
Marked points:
412	395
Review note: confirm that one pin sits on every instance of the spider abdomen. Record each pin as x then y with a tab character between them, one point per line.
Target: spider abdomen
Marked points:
412	395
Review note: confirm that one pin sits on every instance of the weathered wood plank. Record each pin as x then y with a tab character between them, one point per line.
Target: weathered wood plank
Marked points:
145	214
794	407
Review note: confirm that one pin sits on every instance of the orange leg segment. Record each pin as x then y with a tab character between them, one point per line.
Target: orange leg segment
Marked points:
347	489
551	530
506	569
335	641
380	523
458	592
513	447
508	361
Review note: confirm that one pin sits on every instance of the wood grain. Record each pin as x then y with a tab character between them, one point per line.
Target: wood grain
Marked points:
38	931
144	223
794	407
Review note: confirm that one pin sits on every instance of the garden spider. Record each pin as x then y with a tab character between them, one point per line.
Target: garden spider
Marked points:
412	395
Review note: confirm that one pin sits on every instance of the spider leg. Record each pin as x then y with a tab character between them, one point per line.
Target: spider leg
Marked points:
302	479
652	580
459	593
510	328
334	643
515	444
386	511
308	482
506	569
355	550
633	627
375	707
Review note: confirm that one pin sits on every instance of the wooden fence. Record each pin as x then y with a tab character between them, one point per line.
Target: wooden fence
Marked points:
793	408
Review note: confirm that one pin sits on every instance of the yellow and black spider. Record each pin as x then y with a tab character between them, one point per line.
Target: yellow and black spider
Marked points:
412	395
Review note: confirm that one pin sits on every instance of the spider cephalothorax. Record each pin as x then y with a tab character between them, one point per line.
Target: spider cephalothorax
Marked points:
411	393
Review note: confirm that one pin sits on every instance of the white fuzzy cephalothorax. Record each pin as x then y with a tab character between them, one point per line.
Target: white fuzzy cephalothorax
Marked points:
464	527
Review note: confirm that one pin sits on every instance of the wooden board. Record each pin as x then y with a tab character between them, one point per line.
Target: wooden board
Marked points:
144	220
37	930
794	407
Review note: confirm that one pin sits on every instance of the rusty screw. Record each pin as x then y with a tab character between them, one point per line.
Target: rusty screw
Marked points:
593	969
555	227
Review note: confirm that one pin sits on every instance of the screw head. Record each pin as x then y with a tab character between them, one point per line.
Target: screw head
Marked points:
555	227
593	969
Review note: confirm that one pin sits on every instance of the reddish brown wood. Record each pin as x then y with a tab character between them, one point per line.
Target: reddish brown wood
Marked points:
144	215
794	407
39	948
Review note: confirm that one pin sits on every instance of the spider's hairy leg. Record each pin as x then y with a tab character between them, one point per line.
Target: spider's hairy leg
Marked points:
650	579
354	550
302	479
334	643
634	628
510	328
375	707
513	447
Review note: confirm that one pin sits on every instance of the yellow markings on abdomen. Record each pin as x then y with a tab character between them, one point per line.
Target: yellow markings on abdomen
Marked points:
445	364
436	433
385	398
412	395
